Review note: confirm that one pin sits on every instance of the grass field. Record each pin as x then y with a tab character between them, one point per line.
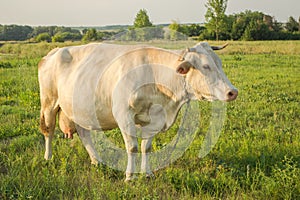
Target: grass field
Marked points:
257	155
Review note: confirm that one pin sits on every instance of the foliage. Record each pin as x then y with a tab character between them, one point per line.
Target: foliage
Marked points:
251	25
247	25
142	20
190	30
292	25
105	35
51	30
43	37
90	35
215	16
21	33
66	36
256	156
14	32
93	35
71	36
175	26
256	31
150	34
142	34
58	38
241	22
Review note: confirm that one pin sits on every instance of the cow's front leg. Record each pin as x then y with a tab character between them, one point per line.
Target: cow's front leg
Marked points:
146	147
85	136
131	144
124	117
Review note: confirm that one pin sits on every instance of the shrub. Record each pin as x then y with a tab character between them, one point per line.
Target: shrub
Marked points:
58	38
43	37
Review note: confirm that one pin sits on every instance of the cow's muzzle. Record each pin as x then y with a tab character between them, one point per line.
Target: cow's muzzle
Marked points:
231	94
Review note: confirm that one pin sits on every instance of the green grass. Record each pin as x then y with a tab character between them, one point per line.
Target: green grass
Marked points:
257	155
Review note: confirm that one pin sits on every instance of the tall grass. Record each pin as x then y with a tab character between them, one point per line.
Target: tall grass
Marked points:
256	157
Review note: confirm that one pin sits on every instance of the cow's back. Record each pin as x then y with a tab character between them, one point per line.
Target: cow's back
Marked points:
72	73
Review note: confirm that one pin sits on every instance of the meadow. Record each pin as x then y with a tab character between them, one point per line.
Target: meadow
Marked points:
256	157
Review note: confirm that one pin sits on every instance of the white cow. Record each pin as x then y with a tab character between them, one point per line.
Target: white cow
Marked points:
104	86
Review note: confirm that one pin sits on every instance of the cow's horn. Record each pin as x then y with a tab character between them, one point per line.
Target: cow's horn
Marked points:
215	48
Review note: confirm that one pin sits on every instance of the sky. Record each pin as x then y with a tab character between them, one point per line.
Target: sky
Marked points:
123	12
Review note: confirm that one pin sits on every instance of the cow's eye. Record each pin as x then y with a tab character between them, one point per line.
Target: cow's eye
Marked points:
206	66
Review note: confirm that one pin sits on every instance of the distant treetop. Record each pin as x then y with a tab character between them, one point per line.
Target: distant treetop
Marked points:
142	20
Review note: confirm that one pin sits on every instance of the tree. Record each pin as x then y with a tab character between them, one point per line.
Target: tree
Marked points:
104	35
299	24
175	26
178	31
215	16
292	25
15	32
43	29
193	30
246	20
90	35
142	19
277	26
249	33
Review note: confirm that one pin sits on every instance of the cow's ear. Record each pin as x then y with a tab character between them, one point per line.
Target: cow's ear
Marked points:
184	67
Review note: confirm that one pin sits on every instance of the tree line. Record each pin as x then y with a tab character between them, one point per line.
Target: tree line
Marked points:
51	33
248	25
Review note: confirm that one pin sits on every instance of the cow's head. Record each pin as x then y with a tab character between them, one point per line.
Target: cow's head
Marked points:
203	71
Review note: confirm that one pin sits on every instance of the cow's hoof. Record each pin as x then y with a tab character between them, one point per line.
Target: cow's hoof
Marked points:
150	175
130	177
96	162
48	156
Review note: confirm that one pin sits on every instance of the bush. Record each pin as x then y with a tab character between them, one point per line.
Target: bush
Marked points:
71	36
58	38
207	35
43	37
90	35
66	36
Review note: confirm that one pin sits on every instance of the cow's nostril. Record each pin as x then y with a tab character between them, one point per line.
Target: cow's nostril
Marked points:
232	94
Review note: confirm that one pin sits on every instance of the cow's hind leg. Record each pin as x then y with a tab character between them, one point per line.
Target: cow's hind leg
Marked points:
85	136
131	144
47	125
146	147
